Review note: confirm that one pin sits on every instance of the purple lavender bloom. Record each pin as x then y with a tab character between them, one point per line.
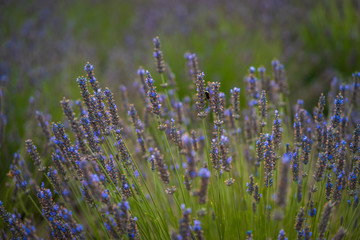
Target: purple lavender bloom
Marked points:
197	226
204	173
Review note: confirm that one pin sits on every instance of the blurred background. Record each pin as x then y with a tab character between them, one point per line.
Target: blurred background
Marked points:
45	45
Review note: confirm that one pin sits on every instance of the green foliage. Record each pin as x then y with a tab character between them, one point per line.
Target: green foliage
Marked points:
332	36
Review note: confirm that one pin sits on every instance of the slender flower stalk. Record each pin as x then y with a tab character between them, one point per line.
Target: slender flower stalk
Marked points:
34	154
90	136
40	117
306	149
161	166
198	231
250	185
355	89
82	82
338	108
300	220
89	69
75	125
139	128
214	154
263	109
215	102
192	66
184	223
297	129
277	130
115	119
320	170
257	195
200	95
324	220
153	96
295	166
235	102
252	84
204	174
283	182
340	234
159	61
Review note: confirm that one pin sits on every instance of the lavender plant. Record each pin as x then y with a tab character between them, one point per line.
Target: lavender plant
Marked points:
193	167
